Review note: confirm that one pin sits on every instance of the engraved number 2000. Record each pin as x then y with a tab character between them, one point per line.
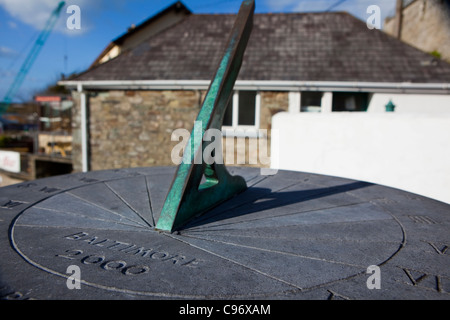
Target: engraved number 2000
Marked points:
118	265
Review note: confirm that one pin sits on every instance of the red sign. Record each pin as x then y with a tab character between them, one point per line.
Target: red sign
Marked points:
47	98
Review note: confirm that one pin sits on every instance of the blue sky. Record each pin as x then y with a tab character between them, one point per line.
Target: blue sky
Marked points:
67	51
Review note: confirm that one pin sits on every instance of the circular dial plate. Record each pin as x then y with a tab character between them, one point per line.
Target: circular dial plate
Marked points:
288	236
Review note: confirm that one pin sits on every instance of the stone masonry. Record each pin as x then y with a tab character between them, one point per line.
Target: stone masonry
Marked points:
134	128
425	25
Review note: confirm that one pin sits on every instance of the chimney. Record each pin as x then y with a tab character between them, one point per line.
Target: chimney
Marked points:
398	19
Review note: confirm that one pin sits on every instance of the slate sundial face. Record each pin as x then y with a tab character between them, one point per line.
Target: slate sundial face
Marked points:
288	236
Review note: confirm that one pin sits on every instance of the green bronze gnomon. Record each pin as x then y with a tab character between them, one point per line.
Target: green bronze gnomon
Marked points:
187	196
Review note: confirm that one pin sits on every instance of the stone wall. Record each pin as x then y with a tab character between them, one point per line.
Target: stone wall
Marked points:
426	25
134	128
272	102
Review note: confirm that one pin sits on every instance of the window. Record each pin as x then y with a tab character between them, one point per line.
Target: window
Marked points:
350	101
311	101
305	101
243	110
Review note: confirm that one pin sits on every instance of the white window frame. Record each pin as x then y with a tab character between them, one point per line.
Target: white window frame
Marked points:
295	98
236	130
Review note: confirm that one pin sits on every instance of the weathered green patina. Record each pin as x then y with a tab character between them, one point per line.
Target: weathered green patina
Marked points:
188	197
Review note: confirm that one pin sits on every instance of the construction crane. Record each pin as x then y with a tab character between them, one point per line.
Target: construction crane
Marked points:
32	55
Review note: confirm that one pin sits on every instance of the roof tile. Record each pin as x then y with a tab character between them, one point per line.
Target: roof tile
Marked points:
332	46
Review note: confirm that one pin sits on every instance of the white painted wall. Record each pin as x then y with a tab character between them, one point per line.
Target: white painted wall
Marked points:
411	103
405	103
405	151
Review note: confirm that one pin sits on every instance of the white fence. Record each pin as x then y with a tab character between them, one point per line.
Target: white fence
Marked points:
405	151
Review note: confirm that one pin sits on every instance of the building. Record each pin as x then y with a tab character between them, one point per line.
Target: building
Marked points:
36	139
137	34
127	107
424	24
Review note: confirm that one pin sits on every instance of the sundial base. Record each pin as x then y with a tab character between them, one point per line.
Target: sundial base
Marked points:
288	236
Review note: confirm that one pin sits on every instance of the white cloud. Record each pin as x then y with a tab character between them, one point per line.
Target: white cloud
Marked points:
356	7
12	24
7	52
36	12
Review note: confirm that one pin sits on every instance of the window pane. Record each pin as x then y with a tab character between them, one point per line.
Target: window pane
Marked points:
228	117
350	101
311	101
247	101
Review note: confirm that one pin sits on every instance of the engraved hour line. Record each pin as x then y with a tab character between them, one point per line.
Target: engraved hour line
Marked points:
145	224
200	228
80	215
106	209
239	264
201	219
150	201
127	204
277	191
275	251
254	180
133	249
256	219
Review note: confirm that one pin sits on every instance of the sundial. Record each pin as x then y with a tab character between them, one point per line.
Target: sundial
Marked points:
163	233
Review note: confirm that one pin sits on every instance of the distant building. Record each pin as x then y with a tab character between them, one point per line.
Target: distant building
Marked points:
127	107
424	24
19	117
55	113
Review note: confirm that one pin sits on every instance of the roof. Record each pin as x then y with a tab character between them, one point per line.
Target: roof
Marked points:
177	7
328	46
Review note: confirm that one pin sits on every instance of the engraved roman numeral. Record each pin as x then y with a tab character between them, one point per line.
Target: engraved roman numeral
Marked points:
422	219
26	185
45	189
336	296
9	204
440	249
49	190
415	280
429	281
